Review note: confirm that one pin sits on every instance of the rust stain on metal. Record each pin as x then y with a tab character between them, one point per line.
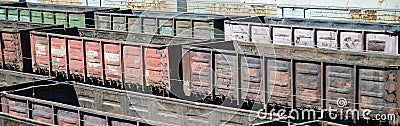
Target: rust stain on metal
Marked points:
251	80
66	117
113	63
200	73
133	68
40	54
156	73
12	51
308	85
355	14
42	113
226	76
93	120
94	62
76	59
58	56
279	82
370	15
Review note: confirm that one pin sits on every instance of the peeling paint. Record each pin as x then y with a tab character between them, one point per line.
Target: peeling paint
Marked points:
40	49
303	37
351	41
282	36
92	54
93	65
111	57
58	51
260	34
113	69
326	39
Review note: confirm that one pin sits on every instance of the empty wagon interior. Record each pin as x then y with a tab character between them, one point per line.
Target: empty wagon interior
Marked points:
4	24
108	35
54	7
170	15
8	78
206	26
333	24
52	92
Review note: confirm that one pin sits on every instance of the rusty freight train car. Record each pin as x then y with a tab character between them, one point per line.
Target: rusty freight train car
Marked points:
111	58
67	15
327	34
253	76
63	111
72	103
15	43
205	26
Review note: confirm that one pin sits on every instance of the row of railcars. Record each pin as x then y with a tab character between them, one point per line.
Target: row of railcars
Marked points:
205	26
327	34
67	15
266	75
288	63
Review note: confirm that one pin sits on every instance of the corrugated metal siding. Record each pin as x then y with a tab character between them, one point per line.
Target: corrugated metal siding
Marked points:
65	2
384	4
311	9
230	7
355	14
161	5
308	85
97	3
11	0
309	34
115	3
